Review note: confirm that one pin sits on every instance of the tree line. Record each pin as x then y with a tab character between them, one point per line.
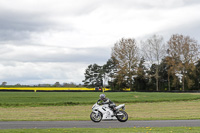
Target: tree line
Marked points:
156	65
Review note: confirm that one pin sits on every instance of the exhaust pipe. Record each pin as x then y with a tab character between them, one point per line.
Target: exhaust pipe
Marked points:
120	106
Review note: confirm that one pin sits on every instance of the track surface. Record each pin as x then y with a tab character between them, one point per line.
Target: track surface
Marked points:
102	124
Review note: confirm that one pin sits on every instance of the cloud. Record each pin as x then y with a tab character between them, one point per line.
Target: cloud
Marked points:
50	40
35	73
94	23
18	26
44	64
54	54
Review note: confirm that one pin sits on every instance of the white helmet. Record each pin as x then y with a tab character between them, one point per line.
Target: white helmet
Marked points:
102	96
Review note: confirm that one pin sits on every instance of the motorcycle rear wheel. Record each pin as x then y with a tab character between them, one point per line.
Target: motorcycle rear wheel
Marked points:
122	118
96	118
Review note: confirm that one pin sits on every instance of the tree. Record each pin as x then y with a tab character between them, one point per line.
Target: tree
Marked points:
4	84
57	84
170	63
71	84
190	77
197	76
93	76
109	72
124	54
140	81
166	73
152	79
184	52
154	51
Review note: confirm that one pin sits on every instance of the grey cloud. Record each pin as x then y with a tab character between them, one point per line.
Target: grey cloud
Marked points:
20	21
191	29
94	55
10	35
18	26
83	55
29	73
90	55
191	2
143	4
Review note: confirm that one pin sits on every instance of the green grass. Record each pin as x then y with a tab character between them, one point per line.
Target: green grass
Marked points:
45	106
8	99
108	130
136	111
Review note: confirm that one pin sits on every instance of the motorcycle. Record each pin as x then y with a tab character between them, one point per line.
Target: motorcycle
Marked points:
104	112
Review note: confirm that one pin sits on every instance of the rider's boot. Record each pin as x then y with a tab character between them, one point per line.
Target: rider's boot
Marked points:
115	112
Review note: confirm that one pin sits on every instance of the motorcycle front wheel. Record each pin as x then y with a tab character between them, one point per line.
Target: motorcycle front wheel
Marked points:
123	117
96	117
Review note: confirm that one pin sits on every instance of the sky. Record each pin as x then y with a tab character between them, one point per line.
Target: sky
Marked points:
48	41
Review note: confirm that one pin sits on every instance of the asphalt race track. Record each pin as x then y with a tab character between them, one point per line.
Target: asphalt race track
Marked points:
102	124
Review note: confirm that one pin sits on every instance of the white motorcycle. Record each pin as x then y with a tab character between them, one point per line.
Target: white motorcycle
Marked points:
104	112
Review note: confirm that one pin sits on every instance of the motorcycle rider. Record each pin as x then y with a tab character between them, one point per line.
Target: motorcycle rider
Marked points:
104	100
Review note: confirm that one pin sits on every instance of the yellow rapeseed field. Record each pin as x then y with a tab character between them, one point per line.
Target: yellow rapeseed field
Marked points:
48	88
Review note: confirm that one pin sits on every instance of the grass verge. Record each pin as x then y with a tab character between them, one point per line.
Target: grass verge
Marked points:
136	111
108	130
21	99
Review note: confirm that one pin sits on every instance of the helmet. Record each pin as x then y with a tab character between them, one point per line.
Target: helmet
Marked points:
102	96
